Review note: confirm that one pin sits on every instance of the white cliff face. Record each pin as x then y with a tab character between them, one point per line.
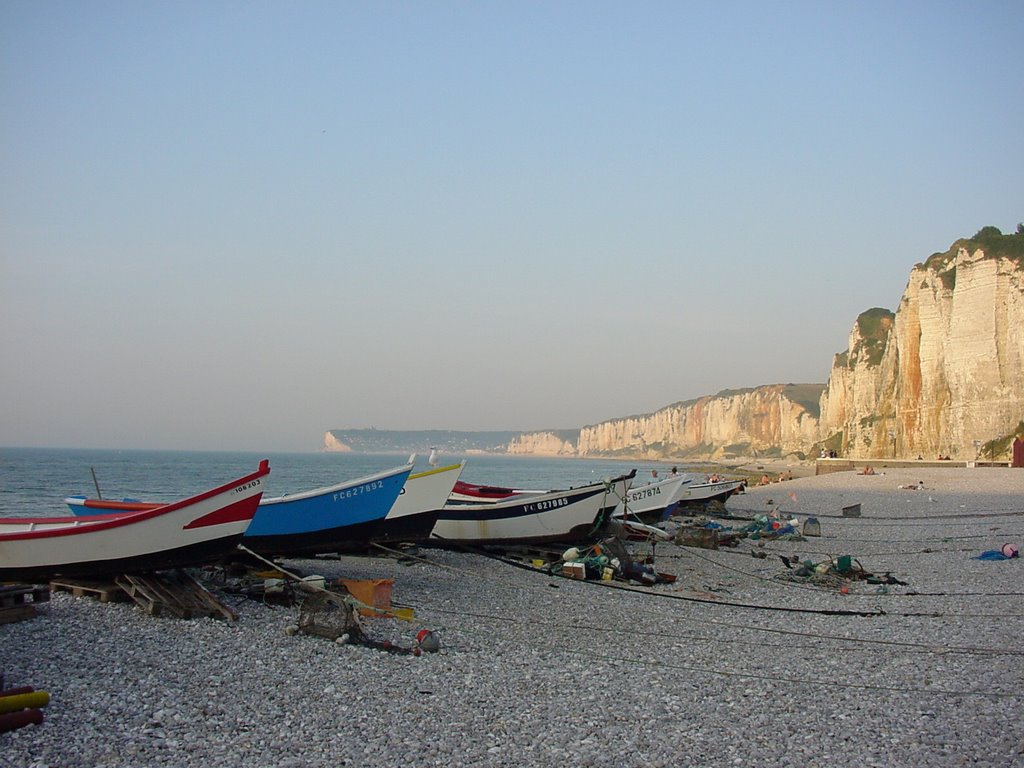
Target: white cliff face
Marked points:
541	444
943	371
331	443
952	368
757	420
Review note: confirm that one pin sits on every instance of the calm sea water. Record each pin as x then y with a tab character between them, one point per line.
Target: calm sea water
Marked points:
33	481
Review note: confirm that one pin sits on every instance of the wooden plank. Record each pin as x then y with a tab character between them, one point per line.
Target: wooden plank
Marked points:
104	591
147	594
17	613
174	591
20	594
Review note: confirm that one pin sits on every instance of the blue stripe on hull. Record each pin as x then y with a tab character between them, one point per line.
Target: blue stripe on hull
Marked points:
333	509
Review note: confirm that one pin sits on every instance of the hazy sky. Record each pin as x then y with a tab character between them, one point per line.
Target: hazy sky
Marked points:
236	225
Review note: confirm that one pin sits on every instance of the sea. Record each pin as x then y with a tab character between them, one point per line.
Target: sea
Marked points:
34	481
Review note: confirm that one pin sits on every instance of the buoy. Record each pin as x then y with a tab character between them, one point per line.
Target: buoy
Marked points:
570	554
16	691
1010	550
844	590
19	701
291	629
13	720
428	641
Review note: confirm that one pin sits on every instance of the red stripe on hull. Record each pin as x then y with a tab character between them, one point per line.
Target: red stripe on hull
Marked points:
120	506
233	513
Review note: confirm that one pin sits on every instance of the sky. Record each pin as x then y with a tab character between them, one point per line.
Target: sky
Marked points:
237	225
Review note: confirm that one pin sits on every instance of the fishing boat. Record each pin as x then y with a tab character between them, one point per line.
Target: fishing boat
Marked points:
569	516
330	519
193	531
705	491
415	511
651	502
413	515
470	493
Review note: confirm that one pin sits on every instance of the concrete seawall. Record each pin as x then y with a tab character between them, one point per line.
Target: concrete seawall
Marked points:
827	466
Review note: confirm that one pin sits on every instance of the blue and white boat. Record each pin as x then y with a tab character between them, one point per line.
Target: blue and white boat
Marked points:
314	522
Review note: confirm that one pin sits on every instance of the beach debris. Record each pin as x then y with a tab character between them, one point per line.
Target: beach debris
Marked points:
774	527
605	561
428	641
19	601
175	592
853	510
373	594
1006	552
811	527
325	615
575	569
833	573
706	535
21	706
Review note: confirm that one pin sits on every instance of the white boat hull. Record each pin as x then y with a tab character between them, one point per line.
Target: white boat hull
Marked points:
556	516
650	500
172	535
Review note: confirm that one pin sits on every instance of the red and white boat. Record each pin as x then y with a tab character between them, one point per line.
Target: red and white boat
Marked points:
470	493
192	531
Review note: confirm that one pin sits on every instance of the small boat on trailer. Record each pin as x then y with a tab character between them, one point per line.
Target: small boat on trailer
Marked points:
194	531
568	516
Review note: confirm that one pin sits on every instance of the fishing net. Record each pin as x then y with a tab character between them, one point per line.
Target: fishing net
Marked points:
327	614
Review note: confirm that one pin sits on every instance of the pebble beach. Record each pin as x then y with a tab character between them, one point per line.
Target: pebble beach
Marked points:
735	663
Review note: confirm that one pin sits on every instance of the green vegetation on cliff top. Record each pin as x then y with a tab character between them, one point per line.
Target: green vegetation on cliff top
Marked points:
873	326
805	395
990	240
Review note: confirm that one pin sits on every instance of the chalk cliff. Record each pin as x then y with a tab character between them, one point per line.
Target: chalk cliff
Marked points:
943	371
774	419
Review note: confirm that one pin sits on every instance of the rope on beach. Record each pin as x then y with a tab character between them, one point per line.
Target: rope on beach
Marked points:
796	680
662	665
908	647
891	520
916	647
818	586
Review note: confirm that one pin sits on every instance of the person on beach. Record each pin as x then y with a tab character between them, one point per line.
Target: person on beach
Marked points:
868	470
912	487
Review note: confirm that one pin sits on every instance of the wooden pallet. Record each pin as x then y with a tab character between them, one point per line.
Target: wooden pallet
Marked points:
19	594
104	591
17	613
173	592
